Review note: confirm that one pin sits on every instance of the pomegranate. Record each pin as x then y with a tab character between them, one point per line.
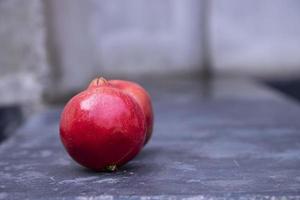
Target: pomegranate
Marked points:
107	125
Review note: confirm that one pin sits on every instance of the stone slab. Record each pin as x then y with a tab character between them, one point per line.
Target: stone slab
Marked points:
238	140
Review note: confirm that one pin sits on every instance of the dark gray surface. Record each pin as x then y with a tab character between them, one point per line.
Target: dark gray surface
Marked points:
11	117
236	140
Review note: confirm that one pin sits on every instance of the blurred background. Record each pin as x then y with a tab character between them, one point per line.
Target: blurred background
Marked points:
51	49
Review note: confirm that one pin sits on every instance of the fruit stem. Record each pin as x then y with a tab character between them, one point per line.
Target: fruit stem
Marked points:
111	168
101	81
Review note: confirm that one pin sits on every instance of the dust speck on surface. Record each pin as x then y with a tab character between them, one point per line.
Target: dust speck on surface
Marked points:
194	181
228	183
107	180
198	197
46	153
236	163
30	175
102	197
62	161
78	180
184	166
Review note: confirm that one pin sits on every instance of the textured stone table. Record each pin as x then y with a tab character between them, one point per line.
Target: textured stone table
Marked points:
234	140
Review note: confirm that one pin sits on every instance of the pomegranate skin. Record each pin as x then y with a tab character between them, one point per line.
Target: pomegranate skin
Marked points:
143	99
102	127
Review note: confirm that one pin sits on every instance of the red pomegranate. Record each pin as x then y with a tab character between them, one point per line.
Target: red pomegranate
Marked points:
143	99
107	125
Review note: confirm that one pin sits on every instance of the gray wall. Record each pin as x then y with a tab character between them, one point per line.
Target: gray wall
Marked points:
257	37
23	63
84	39
134	37
128	38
